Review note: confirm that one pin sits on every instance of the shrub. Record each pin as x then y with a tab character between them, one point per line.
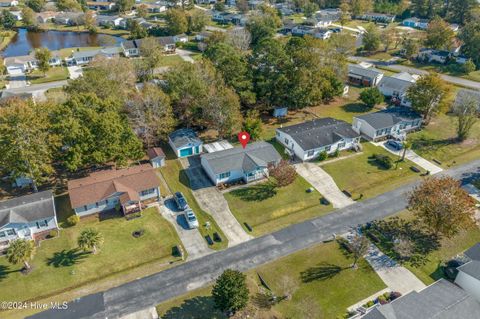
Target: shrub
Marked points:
73	220
383	160
53	233
382	300
370	304
335	154
322	156
371	97
284	173
394	295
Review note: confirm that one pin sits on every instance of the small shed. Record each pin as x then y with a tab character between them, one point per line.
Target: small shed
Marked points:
280	111
185	142
156	156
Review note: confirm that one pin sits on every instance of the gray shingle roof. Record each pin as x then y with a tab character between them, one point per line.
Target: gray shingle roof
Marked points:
441	300
471	268
473	252
319	133
358	70
395	83
388	118
258	154
184	138
27	208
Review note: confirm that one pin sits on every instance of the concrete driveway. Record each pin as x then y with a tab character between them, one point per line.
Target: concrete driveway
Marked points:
212	201
192	240
185	55
323	183
413	157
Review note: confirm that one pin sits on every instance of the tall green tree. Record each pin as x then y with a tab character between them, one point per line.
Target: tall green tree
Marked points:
263	24
26	142
371	38
359	7
35	5
21	251
467	112
427	8
90	238
43	56
177	22
7	19
411	47
470	36
137	31
439	34
427	94
230	291
371	97
124	5
253	124
233	65
68	5
460	11
28	18
151	51
197	20
93	131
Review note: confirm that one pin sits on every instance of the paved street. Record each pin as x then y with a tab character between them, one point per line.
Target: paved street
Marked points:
36	87
324	184
185	55
411	70
154	289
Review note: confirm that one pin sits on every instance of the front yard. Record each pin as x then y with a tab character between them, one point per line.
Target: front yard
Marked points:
438	141
177	181
360	175
320	278
59	266
267	208
58	73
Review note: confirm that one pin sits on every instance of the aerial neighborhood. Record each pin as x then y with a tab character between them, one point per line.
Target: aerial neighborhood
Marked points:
240	159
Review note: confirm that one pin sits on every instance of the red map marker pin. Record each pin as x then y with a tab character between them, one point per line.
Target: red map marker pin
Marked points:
243	138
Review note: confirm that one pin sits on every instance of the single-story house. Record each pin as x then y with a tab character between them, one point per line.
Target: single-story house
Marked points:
377	17
319	33
85	57
325	17
360	75
248	164
100	5
442	299
416	23
155	8
17	14
396	86
156	156
185	142
17	65
131	48
394	122
222	17
308	139
109	21
183	38
468	276
69	18
129	189
464	95
203	35
46	16
431	55
29	217
8	3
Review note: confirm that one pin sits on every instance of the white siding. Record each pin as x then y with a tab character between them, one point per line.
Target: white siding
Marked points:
215	178
362	127
469	284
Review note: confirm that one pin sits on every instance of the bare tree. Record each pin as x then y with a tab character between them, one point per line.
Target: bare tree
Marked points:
467	113
240	38
358	246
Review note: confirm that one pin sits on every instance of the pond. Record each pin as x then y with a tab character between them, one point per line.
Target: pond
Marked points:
25	41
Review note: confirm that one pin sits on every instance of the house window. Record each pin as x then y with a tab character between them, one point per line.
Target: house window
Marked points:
11	232
327	149
224	175
310	153
341	145
85	207
106	201
147	192
41	224
286	141
96	204
2	234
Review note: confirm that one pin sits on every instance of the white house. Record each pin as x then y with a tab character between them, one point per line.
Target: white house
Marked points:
185	142
131	48
248	164
156	156
395	87
129	189
18	65
8	3
109	21
377	17
394	122
325	17
29	217
85	57
364	76
308	139
431	55
468	276
416	23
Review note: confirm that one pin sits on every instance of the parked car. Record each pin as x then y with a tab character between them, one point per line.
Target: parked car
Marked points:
180	200
396	145
192	220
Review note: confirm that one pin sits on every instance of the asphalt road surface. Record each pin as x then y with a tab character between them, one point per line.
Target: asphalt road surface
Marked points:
173	282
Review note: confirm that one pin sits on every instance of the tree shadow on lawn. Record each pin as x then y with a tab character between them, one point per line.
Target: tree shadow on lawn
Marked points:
195	308
256	193
66	258
428	144
321	272
373	162
5	270
356	108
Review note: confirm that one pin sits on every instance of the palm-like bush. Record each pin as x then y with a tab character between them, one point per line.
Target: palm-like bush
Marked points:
90	239
21	251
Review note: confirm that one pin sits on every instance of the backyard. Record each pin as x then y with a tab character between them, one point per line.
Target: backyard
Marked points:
320	279
267	208
361	175
438	142
177	181
59	266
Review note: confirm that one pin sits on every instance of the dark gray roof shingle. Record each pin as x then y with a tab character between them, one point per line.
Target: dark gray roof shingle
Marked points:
388	118
247	159
473	252
319	133
358	70
471	268
184	137
395	83
27	208
441	300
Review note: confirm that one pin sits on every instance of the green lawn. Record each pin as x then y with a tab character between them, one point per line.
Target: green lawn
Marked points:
59	266
170	60
177	180
437	141
57	73
266	208
360	175
323	282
